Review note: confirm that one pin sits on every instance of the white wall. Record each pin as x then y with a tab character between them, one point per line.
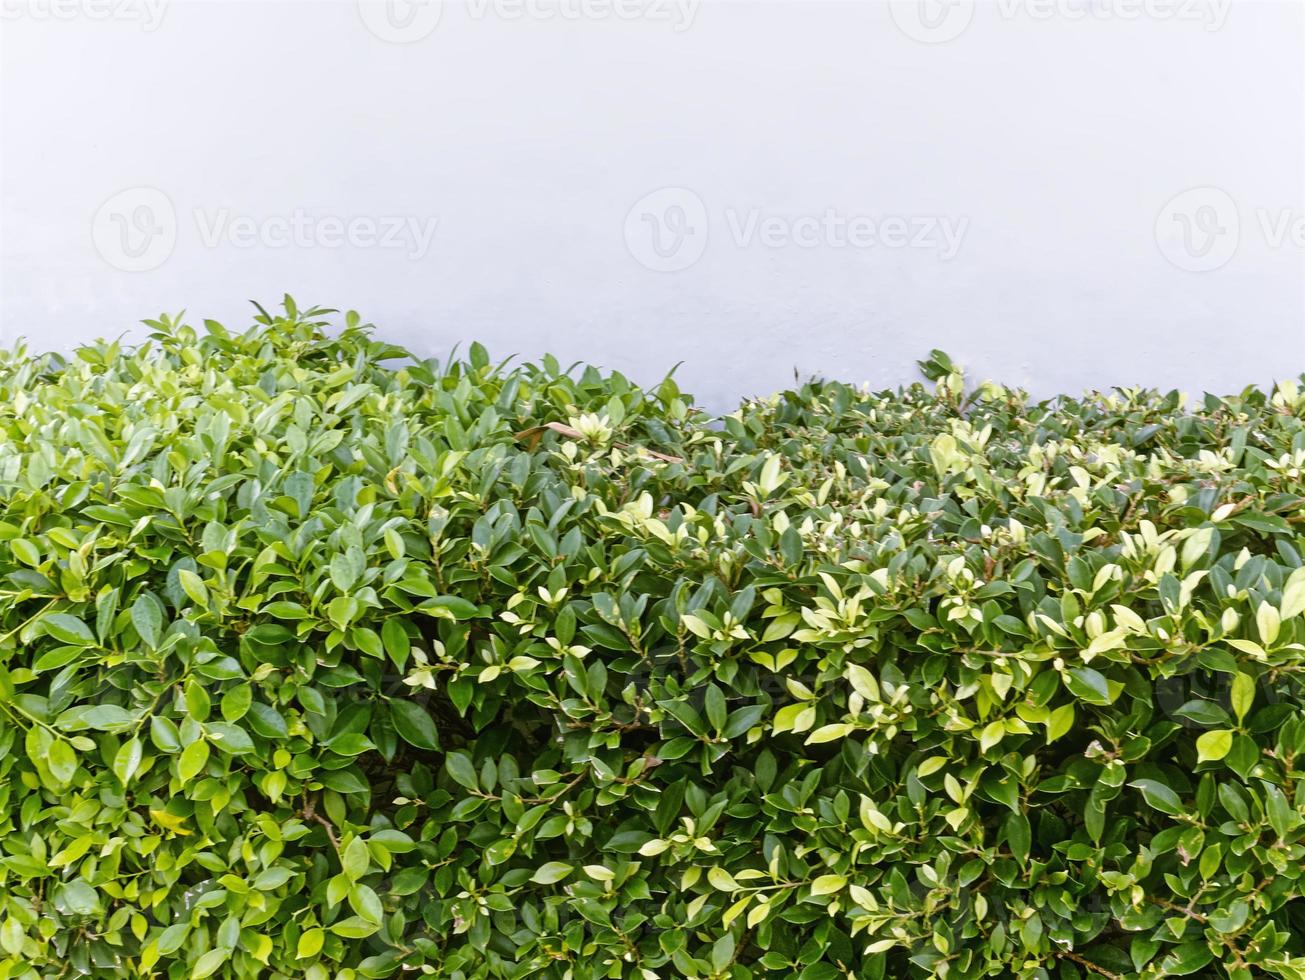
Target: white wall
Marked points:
155	154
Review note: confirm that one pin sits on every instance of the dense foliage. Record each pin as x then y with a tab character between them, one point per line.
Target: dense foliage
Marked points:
318	661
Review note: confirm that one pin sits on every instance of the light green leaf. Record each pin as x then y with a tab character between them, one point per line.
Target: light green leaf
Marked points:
209	963
194	587
128	760
828	884
192	760
310	943
1213	745
355	858
1243	695
61	761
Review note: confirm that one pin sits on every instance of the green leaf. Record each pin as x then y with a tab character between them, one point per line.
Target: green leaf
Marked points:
107	718
1159	796
722	879
1019	835
267	721
460	768
414	725
198	702
147	617
171	939
354	927
1088	685
230	738
553	871
1060	722
450	606
68	629
396	642
272	878
350	744
77	897
236	702
342	573
344	781
1186	960
56	658
164	734
828	884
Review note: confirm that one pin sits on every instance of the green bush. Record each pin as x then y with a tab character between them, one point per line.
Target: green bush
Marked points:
322	662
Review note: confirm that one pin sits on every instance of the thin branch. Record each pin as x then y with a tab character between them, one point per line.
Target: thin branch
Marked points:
1087	964
310	813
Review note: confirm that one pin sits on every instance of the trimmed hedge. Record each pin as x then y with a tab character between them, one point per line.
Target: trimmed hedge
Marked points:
323	662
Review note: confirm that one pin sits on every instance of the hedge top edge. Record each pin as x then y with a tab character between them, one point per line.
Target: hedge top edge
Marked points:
318	660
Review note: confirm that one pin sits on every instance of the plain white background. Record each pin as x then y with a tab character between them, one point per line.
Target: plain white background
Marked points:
1061	193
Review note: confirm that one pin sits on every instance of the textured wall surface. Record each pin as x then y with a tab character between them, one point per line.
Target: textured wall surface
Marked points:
1061	193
